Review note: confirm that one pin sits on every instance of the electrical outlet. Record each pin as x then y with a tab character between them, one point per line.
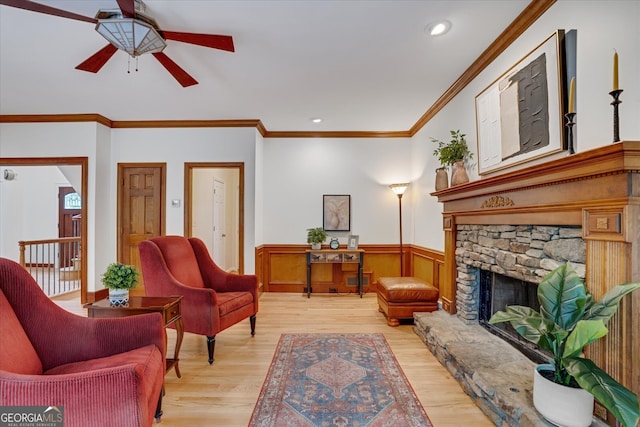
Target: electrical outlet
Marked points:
333	290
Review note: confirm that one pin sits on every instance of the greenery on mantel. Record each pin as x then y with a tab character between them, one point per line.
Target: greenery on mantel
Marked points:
453	151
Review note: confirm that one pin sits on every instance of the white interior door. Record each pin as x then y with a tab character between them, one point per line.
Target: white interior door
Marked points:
219	226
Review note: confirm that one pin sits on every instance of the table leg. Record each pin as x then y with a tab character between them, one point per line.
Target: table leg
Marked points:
308	276
179	336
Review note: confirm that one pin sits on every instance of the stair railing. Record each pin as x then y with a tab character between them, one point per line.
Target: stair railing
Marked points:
53	263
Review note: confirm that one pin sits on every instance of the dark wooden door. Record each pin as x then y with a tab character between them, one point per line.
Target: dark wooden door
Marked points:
68	207
141	210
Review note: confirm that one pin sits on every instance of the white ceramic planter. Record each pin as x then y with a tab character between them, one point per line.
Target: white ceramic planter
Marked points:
561	405
119	296
316	246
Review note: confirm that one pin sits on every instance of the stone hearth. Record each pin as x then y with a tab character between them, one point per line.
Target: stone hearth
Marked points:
497	376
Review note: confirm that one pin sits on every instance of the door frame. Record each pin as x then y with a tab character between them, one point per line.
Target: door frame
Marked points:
163	205
188	198
83	162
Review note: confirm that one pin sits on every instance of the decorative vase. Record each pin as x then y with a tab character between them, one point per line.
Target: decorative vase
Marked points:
459	175
442	179
118	297
316	246
562	405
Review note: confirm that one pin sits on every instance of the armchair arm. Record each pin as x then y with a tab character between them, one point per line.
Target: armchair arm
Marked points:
104	397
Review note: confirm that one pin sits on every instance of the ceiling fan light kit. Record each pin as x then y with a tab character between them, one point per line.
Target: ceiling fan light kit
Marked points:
134	36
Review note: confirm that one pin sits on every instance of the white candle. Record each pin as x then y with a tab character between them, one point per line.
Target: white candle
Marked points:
572	89
615	70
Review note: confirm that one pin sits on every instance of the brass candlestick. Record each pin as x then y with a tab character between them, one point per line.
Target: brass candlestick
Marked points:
569	125
616	119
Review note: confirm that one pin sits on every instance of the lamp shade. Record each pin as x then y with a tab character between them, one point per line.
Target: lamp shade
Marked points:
134	36
399	189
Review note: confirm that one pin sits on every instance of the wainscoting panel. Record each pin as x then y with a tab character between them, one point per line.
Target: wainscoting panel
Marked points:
283	268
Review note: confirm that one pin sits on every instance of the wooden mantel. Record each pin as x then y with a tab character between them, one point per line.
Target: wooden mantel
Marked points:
598	190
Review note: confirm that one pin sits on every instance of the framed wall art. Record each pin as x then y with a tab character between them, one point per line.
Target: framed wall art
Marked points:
336	212
519	117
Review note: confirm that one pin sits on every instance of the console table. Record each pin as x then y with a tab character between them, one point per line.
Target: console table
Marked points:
333	256
169	307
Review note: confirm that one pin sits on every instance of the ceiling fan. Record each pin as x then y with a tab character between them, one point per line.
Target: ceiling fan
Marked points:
130	30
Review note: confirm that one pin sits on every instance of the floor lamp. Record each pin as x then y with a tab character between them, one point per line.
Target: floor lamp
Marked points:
399	190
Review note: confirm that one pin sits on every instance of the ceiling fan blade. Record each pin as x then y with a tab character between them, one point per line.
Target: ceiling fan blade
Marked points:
94	63
178	73
128	8
48	10
206	40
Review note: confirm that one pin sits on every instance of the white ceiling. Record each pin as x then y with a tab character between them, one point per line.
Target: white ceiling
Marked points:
361	65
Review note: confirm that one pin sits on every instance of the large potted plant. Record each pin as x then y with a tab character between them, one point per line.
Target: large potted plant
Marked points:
454	154
316	236
569	319
119	278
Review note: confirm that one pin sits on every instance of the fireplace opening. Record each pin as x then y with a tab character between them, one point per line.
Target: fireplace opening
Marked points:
496	292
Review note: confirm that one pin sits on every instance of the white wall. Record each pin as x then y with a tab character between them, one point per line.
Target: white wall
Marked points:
298	172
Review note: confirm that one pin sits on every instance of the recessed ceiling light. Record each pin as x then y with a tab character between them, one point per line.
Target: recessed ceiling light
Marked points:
438	28
316	120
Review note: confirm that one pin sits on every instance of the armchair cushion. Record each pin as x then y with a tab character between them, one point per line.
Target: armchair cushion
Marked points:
229	302
16	352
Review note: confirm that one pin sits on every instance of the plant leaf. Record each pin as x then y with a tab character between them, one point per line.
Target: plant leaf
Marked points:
562	297
622	402
584	333
608	304
531	325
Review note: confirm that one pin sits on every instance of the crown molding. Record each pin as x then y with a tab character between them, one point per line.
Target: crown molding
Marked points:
55	118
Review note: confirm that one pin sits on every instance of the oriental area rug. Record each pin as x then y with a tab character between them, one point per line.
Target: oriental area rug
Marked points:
337	380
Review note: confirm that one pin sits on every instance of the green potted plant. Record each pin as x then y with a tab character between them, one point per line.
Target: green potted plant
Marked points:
569	319
119	278
453	153
316	236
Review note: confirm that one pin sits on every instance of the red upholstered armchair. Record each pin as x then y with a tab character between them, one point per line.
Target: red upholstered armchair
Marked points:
213	299
100	372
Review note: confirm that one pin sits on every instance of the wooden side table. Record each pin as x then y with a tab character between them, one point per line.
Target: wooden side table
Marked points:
342	256
169	307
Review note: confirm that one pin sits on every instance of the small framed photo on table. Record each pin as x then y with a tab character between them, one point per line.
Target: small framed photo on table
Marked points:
352	242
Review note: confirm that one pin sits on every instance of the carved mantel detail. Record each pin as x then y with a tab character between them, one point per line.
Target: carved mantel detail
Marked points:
497	202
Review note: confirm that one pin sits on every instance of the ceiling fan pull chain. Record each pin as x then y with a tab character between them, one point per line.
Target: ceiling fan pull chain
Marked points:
128	64
137	64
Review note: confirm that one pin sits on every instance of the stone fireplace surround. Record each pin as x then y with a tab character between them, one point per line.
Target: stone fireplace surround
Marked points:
524	252
583	208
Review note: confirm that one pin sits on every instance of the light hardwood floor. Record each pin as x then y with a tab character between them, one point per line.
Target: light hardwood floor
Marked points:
225	393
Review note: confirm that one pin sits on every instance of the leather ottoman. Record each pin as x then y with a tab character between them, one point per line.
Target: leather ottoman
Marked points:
400	297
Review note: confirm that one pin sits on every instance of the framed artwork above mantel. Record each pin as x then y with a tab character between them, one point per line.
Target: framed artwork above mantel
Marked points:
519	117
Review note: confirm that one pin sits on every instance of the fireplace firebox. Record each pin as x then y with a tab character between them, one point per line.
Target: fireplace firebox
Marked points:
496	292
